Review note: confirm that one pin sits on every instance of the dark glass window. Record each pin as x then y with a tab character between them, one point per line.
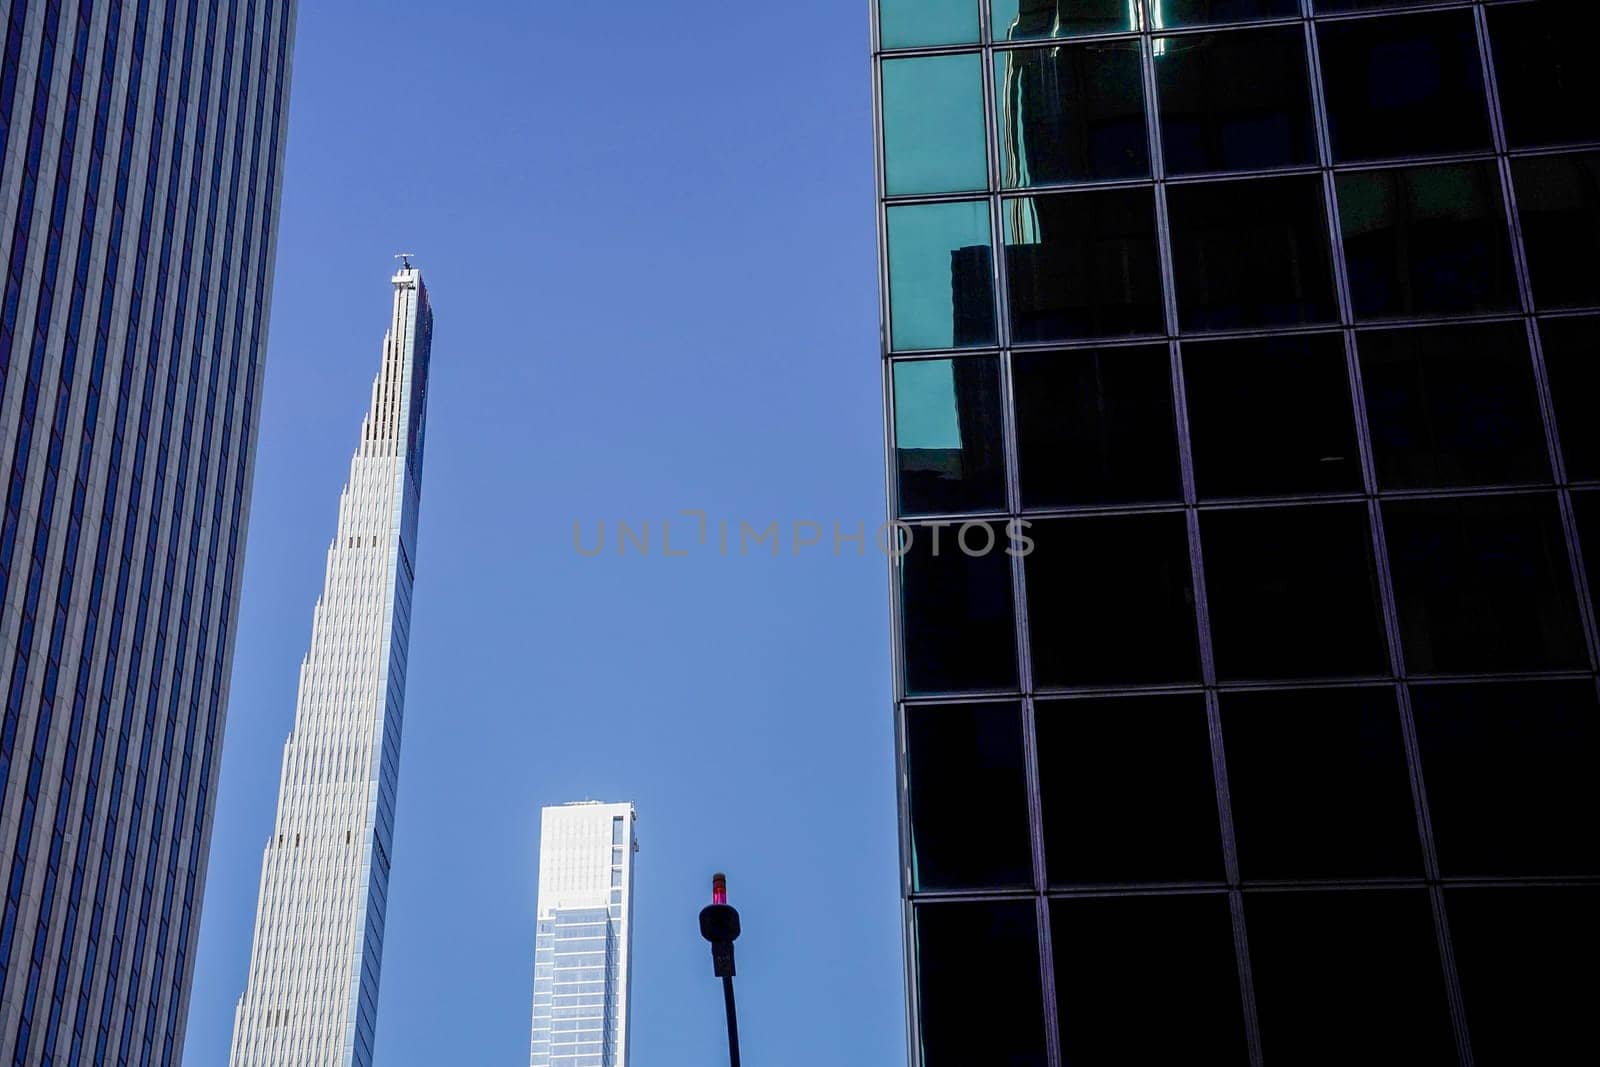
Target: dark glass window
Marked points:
1572	362
1526	960
1453	406
969	797
1127	790
1017	20
1110	601
1251	253
1328	7
1319	784
1208	12
1426	240
933	139
941	289
1558	200
1509	771
1586	512
959	622
1234	101
910	23
1123	962
1095	427
1348	977
1542	78
1292	593
947	433
1404	86
978	983
1083	265
1271	416
1070	113
1483	584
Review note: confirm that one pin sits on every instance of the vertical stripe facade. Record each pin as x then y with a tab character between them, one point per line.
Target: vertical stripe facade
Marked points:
142	146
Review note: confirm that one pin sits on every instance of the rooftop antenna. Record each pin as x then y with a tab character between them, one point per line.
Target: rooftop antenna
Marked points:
405	259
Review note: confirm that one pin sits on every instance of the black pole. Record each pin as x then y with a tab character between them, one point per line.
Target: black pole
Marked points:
719	924
733	1021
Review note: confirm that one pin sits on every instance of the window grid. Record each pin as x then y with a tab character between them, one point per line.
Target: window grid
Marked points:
1372	496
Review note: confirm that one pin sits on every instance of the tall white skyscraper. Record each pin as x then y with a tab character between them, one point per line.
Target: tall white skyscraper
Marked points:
312	995
585	935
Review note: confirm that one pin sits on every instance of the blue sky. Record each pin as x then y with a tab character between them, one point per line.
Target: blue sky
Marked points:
648	230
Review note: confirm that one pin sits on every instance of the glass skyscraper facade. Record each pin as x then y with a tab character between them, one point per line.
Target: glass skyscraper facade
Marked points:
1274	321
317	953
584	935
141	149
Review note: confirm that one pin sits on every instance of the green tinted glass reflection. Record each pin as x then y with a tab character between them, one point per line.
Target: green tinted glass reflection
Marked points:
1021	20
940	270
933	125
910	23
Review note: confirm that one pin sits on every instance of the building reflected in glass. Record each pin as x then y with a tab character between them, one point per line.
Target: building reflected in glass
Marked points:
1277	321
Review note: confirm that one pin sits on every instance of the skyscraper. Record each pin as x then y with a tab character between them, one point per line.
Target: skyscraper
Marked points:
585	933
312	994
1277	320
141	149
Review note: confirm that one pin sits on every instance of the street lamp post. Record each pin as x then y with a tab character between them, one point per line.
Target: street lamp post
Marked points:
719	924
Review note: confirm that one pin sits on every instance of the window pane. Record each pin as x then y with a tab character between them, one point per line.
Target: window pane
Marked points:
1348	977
1586	512
1403	86
1083	265
1251	253
940	275
959	624
1483	584
969	797
1453	406
1123	962
1292	592
1206	12
1018	20
979	986
909	23
1319	784
933	140
1110	601
1509	770
1127	790
1070	113
947	435
1095	427
1572	362
1426	240
1538	71
1328	7
1234	101
1558	200
1526	960
1271	416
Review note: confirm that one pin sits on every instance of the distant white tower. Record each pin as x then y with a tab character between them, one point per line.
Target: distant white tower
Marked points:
312	994
585	934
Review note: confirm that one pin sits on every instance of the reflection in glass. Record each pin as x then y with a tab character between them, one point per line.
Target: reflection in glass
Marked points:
941	292
1070	113
947	435
968	797
1083	265
1558	200
1426	240
1018	20
911	23
933	140
1234	101
960	623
